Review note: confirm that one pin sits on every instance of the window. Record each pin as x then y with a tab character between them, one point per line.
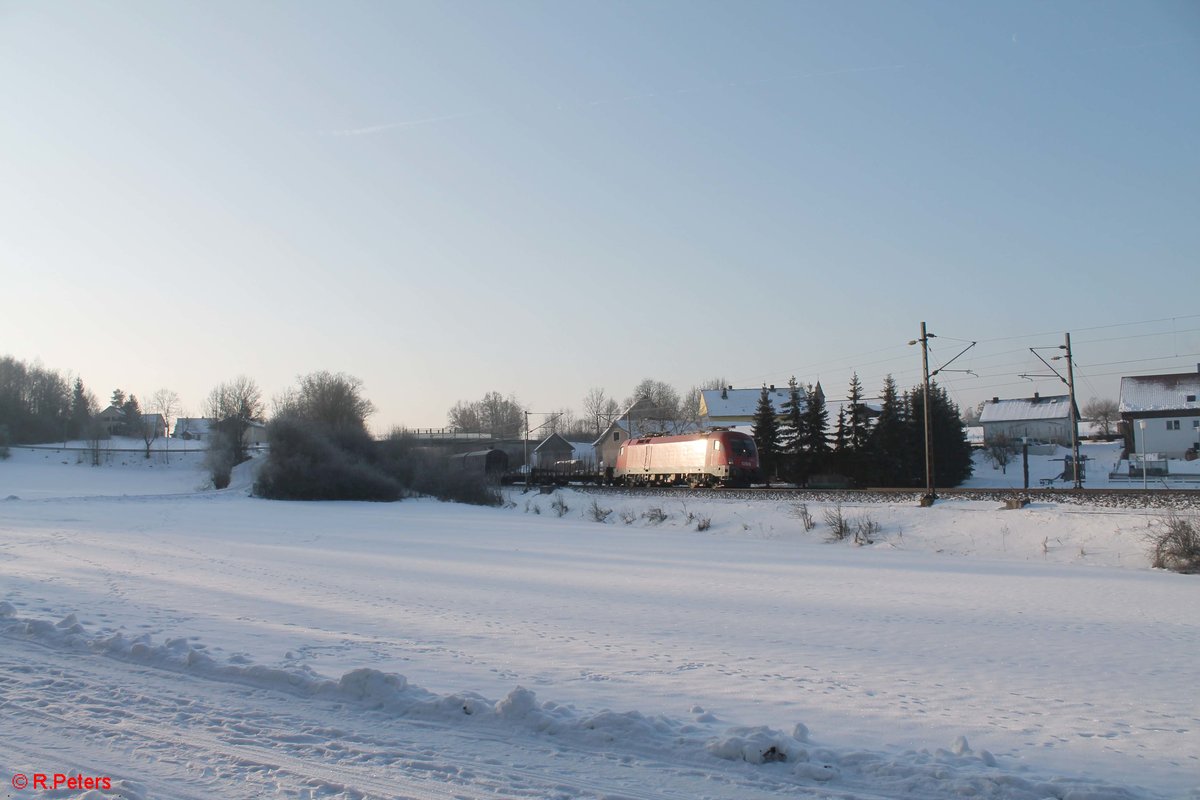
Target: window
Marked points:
742	447
716	444
616	436
1172	424
1191	398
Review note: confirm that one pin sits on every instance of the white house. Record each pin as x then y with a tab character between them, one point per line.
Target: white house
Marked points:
155	423
728	406
1161	414
202	429
198	428
1037	419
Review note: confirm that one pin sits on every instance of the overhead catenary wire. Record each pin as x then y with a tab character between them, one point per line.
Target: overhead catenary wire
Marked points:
988	369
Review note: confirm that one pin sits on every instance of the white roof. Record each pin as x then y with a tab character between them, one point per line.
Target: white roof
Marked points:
1160	392
193	425
734	403
1026	408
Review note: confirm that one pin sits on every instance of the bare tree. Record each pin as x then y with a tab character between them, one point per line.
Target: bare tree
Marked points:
970	416
148	428
166	403
495	414
599	409
1104	413
235	405
690	409
1000	451
658	404
501	416
334	400
464	417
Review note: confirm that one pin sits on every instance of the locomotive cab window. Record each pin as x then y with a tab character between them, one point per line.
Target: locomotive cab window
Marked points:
741	447
716	444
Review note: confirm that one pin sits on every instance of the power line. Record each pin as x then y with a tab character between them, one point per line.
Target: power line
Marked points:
1092	328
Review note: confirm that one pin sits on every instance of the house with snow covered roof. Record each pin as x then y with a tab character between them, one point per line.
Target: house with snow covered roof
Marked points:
155	423
729	406
112	419
1160	414
198	428
1036	419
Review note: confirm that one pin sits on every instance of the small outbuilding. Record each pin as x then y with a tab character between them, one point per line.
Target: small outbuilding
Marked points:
553	448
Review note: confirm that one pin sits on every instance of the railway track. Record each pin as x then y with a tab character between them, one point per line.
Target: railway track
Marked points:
1164	499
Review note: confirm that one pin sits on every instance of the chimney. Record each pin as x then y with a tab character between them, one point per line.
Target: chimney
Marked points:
772	387
995	399
1035	395
724	394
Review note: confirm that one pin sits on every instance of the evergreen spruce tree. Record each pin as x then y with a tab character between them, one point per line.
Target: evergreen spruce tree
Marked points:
814	442
952	463
951	451
857	422
791	432
132	420
839	438
766	435
888	440
82	406
913	462
855	461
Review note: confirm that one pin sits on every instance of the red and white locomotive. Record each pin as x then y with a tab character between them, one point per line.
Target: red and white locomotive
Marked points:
713	458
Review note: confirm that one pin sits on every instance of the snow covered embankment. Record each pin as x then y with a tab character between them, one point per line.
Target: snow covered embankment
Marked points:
785	759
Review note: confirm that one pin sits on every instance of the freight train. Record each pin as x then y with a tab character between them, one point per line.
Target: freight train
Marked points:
713	458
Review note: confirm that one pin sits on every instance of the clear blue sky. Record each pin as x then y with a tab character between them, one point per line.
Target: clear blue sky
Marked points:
449	198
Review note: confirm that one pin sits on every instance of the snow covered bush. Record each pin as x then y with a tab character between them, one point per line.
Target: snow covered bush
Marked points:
655	516
310	462
219	460
598	514
866	530
559	505
839	523
805	517
1175	544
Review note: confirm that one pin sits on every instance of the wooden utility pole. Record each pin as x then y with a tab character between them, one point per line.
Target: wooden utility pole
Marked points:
1071	411
930	495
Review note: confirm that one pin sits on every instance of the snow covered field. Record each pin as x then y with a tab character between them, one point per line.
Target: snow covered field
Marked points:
190	643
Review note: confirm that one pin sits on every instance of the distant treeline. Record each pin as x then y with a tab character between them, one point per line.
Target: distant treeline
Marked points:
41	405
